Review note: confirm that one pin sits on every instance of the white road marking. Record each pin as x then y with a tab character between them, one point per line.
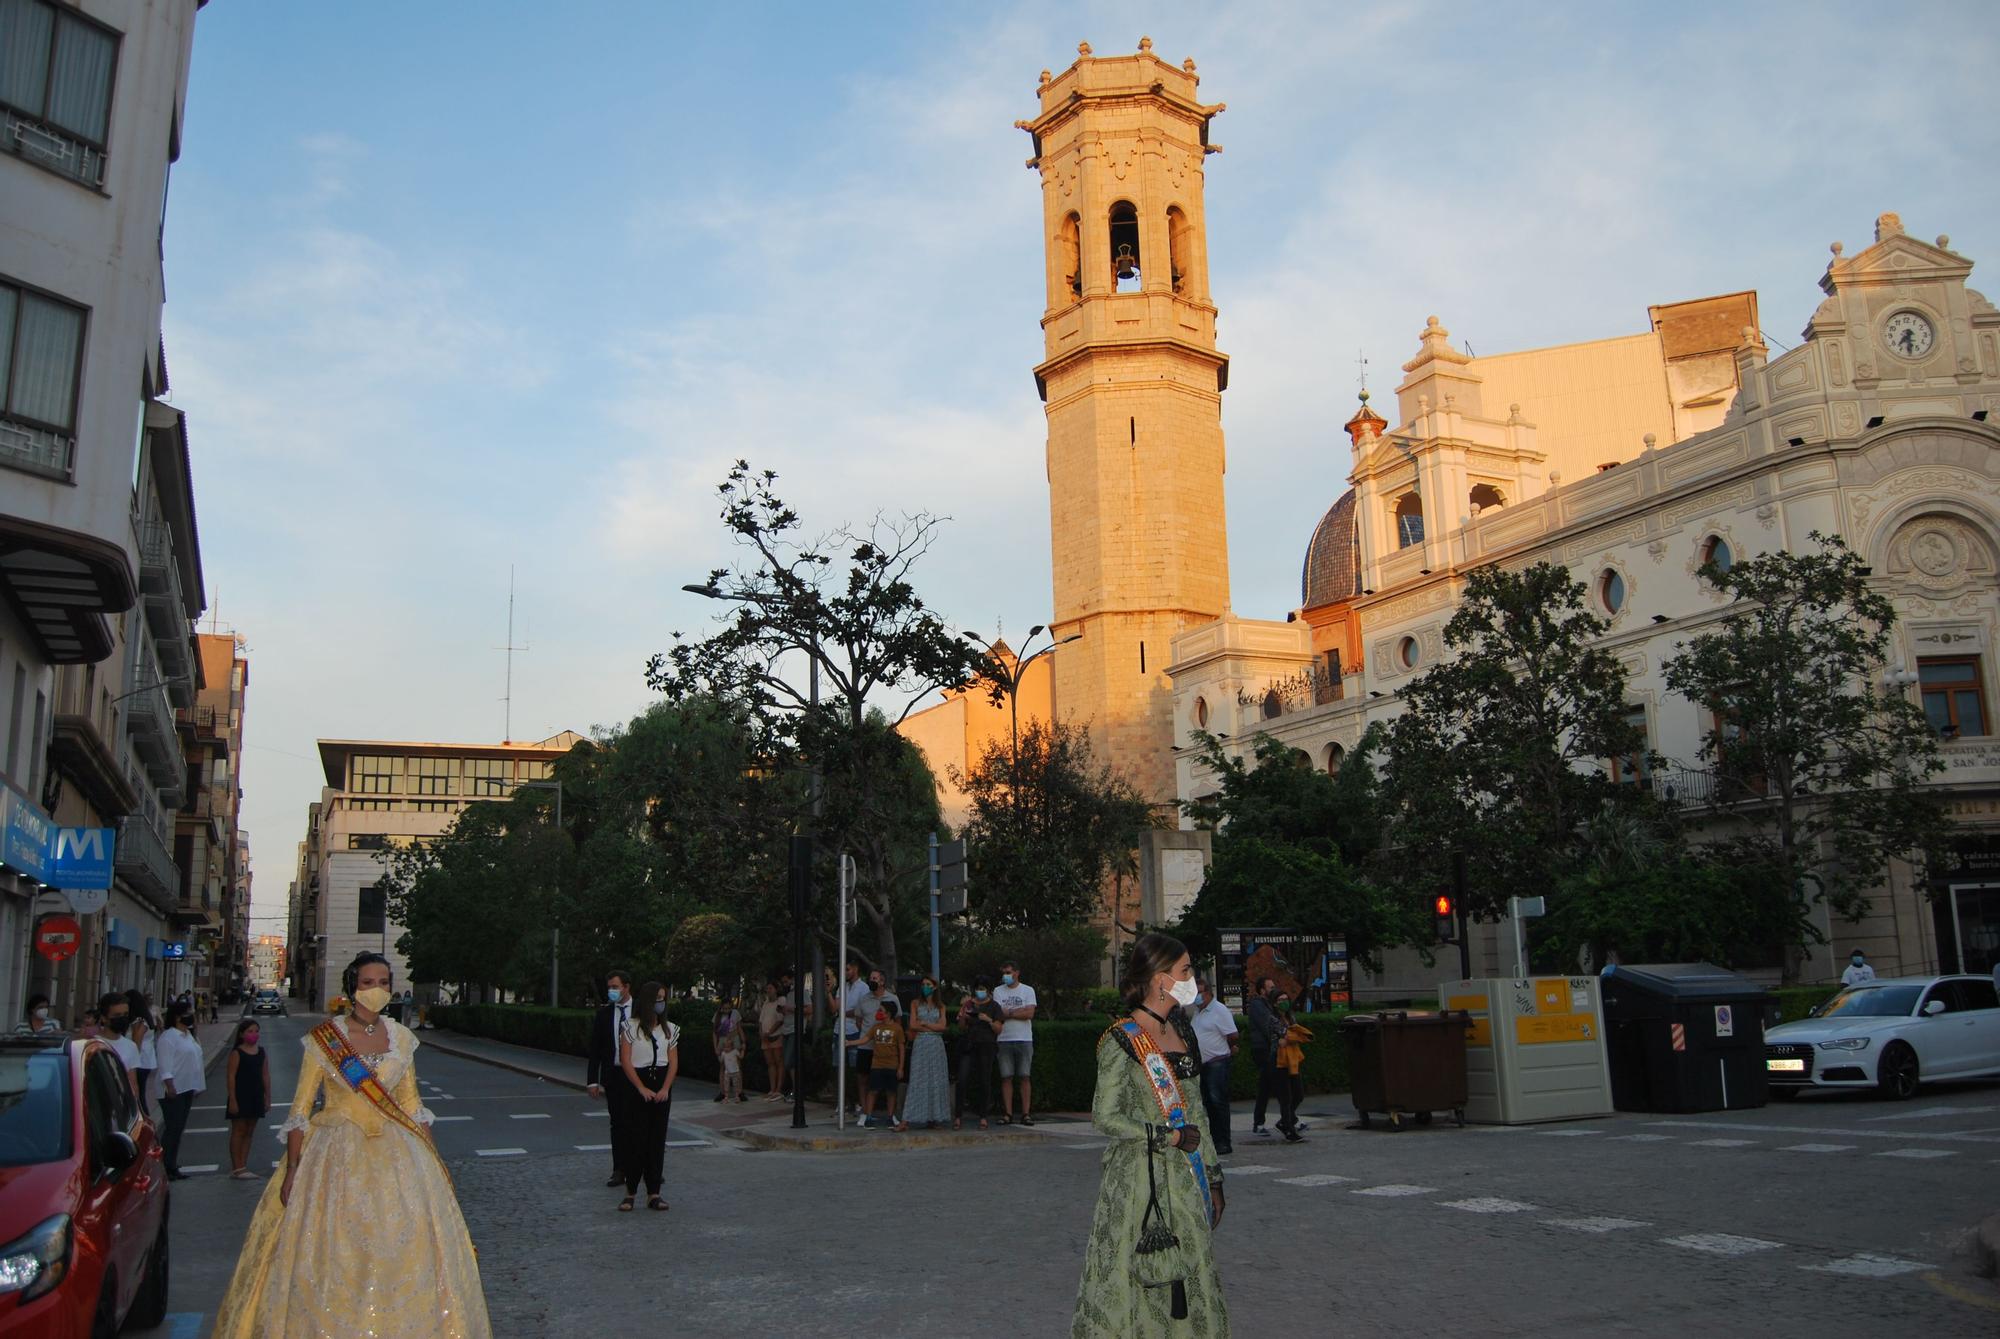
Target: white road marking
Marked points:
1903	1135
597	1113
1722	1243
593	1148
208	1129
1249	1169
1868	1266
1487	1204
1314	1180
687	1143
1567	1134
1917	1153
1928	1112
219	1106
200	1167
1816	1148
499	1152
1393	1192
1641	1138
1597	1225
529	1115
1723	1143
439	1120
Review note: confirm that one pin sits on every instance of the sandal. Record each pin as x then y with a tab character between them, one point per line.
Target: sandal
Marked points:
902	1127
656	1204
956	1124
982	1122
625	1205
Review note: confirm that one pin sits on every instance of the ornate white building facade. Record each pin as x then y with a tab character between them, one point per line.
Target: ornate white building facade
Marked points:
1632	461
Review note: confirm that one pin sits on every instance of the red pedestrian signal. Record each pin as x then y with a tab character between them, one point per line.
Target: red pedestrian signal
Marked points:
1446	912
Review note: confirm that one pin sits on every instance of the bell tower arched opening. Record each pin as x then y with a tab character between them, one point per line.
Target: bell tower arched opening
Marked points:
1409	520
1180	251
1067	253
1125	256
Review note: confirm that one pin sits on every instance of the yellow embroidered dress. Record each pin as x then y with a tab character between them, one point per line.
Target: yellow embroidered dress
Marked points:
372	1243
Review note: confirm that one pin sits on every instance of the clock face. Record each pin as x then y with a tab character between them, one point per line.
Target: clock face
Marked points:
1908	334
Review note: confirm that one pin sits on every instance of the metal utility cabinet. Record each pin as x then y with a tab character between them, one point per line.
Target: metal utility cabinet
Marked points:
1685	1036
1536	1049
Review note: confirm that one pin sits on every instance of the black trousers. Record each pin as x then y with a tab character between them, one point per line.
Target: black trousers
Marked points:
1271	1079
620	1105
646	1155
174	1110
973	1064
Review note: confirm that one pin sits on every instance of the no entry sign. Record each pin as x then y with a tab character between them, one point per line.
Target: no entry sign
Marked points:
58	937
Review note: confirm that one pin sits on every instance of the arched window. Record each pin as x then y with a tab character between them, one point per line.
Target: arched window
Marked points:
1125	258
1201	713
1409	520
1274	705
1069	259
1485	497
1715	549
1335	755
1180	247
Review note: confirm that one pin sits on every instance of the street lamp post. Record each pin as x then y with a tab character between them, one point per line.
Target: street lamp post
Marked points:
802	895
555	931
1010	680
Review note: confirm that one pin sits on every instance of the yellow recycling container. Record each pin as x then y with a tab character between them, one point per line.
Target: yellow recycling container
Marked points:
1536	1049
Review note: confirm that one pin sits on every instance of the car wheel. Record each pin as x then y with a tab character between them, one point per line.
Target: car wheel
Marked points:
1896	1073
150	1307
104	1324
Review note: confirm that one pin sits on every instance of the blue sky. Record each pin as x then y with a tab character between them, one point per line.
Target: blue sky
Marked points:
458	286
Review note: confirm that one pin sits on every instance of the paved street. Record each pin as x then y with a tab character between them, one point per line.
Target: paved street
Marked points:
1839	1212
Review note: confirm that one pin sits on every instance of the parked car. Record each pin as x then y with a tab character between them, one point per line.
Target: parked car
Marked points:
1891	1035
83	1194
268	1002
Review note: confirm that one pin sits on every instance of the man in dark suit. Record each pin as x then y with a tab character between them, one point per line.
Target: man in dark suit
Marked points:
605	1077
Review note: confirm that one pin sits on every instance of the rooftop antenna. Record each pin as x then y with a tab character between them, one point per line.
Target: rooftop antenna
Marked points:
507	734
1361	369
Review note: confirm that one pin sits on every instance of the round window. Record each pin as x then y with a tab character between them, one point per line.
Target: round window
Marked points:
1716	551
1407	652
1611	590
1201	713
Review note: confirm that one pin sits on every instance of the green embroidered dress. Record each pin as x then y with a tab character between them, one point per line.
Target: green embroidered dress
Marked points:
1110	1302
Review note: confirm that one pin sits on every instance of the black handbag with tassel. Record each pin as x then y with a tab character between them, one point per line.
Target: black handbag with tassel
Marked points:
1162	1261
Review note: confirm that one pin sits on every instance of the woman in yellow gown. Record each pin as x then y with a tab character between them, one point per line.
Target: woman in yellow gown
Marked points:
361	1235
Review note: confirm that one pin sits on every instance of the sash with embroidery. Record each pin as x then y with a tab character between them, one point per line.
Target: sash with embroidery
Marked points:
354	1072
1167	1093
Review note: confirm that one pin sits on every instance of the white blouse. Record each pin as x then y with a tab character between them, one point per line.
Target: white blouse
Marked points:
653	1048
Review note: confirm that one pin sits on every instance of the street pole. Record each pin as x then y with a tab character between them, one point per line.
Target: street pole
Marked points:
934	907
799	920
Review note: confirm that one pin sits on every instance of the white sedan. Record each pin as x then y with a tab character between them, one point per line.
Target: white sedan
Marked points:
1890	1035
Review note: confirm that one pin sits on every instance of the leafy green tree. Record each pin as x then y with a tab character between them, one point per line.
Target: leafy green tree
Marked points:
1803	750
845	605
1498	752
476	903
1049	825
1294	847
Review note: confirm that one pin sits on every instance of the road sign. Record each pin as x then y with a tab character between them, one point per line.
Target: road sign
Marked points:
58	937
1725	1020
951	864
80	861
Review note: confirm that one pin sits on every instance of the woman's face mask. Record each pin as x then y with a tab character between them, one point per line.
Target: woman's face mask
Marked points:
980	993
659	1006
250	1037
929	988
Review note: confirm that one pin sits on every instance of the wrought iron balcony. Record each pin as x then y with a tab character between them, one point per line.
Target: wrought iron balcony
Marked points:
37	450
142	859
151	722
39	142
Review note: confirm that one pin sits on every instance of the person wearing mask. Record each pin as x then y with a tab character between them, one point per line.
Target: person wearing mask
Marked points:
979	1024
1266	1031
115	1012
604	1077
1291	1066
37	1021
1858	970
144	1033
1215	1029
1149	1264
247	1086
929	1096
1016	1054
362	1234
180	1079
857	1011
773	1045
729	1048
649	1053
885	1043
792	1028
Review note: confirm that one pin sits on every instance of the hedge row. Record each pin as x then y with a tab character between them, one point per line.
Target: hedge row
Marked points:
1065	1071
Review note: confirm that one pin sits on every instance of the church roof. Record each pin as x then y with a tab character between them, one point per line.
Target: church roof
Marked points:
1331	572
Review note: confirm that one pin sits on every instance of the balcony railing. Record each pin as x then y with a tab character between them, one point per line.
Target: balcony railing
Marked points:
143	859
151	722
37	450
1314	686
42	143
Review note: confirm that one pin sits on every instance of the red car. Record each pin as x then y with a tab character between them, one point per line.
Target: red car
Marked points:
83	1194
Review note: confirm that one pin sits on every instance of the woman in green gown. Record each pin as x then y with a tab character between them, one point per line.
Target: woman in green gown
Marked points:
1149	1269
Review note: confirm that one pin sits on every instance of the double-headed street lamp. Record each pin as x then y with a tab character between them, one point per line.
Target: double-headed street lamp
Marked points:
1010	680
803	845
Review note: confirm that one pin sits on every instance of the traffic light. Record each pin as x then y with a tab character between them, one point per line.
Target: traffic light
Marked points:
1446	912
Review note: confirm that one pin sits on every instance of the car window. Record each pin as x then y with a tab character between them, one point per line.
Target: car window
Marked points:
34	1107
1942	990
1974	993
107	1096
1871	1001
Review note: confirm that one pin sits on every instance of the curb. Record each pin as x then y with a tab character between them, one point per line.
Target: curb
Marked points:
575	1085
849	1143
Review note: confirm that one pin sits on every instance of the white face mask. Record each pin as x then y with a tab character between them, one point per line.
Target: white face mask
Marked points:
1185	993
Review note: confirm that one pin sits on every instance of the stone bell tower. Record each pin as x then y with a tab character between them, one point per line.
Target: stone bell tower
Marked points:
1133	385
